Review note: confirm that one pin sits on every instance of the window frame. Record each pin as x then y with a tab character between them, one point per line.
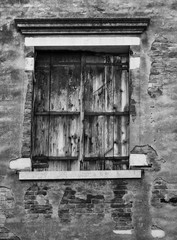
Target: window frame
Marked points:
59	33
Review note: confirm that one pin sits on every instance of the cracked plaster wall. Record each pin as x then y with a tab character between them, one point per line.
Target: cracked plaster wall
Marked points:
147	204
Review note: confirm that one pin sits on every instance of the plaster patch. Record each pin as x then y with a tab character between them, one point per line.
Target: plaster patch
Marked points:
158	233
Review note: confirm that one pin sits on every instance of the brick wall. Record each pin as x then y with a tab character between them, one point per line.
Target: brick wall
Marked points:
94	209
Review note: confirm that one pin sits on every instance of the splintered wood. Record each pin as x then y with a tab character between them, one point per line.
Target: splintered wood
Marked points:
81	111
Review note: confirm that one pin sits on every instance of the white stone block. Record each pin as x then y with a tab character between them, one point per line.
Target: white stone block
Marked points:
138	160
134	62
157	233
29	64
123	232
20	164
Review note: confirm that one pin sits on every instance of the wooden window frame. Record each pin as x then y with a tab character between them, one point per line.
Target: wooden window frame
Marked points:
59	33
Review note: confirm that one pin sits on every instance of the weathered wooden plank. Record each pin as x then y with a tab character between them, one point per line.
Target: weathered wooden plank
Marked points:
70	63
125	135
74	136
94	88
65	83
121	66
56	158
117	136
41	103
42	59
109	86
59	96
125	107
56	113
60	57
74	88
98	139
94	58
117	90
88	90
81	102
94	84
120	158
65	90
64	113
41	90
63	140
109	107
109	141
41	136
124	88
42	82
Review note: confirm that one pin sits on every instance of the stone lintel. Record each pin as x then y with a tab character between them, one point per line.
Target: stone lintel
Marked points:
81	41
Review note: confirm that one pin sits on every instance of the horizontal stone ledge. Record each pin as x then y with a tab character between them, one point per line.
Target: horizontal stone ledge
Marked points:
59	26
76	175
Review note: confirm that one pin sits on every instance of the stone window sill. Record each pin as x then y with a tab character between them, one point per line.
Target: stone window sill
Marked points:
77	175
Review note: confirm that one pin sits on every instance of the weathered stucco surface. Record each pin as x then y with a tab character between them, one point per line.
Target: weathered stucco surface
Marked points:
80	210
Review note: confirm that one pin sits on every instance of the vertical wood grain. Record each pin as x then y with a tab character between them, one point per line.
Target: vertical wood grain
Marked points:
41	104
41	136
81	102
65	88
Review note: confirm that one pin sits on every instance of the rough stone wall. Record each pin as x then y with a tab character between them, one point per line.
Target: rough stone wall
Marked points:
95	209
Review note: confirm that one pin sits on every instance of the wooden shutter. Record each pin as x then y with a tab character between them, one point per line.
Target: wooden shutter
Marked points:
56	128
80	111
106	110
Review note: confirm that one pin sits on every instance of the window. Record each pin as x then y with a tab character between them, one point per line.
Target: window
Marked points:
89	129
81	111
